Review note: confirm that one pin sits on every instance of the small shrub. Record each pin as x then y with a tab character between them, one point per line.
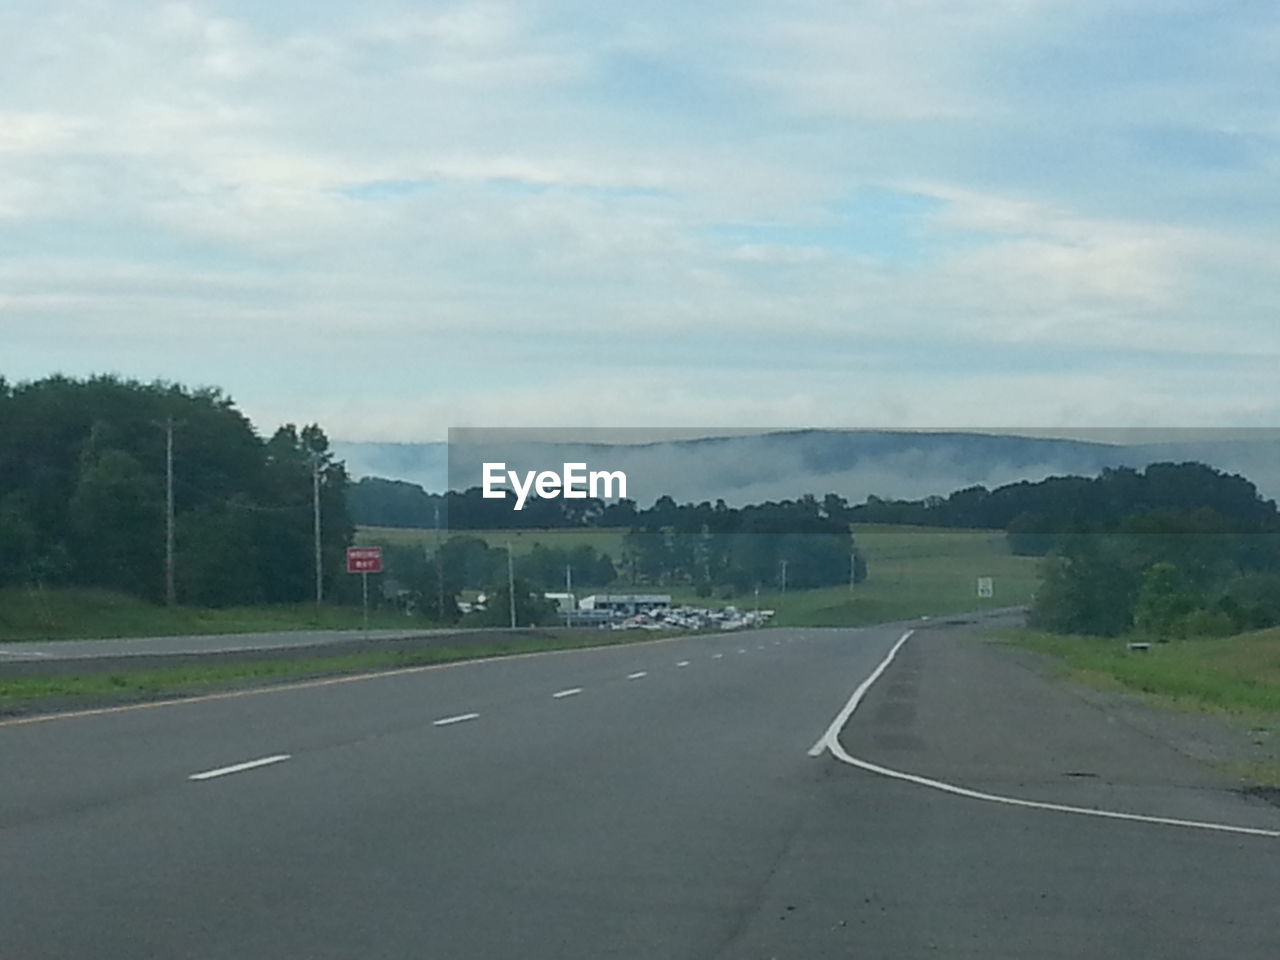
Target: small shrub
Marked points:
1207	623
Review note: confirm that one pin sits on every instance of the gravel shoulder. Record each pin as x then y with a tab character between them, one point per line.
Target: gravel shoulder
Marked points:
959	706
1243	747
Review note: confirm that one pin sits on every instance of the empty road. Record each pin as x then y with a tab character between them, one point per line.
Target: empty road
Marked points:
702	797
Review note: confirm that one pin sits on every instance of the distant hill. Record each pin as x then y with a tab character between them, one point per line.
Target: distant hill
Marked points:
853	463
426	464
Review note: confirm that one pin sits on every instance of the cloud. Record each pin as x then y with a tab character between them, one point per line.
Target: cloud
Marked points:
739	213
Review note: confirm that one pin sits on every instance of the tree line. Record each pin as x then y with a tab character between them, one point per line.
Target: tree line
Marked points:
1028	510
431	582
83	493
1173	549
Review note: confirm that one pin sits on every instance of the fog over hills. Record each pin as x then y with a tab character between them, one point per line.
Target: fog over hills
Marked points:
786	464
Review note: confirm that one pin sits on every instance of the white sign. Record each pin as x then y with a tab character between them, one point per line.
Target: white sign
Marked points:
986	587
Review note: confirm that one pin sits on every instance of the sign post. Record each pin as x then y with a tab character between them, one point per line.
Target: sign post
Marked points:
364	561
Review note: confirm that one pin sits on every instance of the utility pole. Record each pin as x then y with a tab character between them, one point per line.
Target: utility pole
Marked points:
315	527
568	589
853	567
439	571
784	579
511	585
170	587
170	563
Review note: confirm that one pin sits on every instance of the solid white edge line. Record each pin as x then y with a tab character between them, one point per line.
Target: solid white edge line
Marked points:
567	693
830	740
446	721
836	725
637	675
238	767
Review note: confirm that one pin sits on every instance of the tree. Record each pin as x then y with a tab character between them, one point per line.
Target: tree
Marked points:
1089	588
1164	599
82	492
117	524
531	608
219	560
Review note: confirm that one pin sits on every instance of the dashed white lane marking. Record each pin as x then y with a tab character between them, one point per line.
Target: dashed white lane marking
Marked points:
683	663
460	718
637	675
740	650
572	691
22	653
831	741
238	767
717	656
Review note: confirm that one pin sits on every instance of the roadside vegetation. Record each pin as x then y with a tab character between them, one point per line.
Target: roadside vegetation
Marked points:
1237	674
71	612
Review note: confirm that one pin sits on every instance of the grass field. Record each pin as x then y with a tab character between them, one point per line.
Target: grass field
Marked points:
1237	675
64	614
912	572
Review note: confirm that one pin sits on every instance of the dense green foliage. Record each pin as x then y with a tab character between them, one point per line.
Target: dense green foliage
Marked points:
1033	512
773	544
83	483
1180	550
707	545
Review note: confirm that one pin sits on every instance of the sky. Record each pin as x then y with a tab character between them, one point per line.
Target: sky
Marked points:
397	218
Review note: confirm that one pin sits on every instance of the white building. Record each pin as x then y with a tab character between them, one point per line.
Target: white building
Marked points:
564	601
626	604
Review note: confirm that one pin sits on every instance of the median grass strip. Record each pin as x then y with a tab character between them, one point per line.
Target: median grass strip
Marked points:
190	680
1237	675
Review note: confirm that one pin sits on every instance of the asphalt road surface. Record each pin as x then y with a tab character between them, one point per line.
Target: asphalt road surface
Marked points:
648	801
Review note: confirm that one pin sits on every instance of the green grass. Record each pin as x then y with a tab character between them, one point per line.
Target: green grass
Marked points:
28	614
197	679
911	573
1237	675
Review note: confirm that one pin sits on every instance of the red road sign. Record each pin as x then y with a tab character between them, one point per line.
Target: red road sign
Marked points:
364	559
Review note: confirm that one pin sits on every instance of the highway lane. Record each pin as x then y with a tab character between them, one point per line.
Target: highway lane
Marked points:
605	799
666	807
